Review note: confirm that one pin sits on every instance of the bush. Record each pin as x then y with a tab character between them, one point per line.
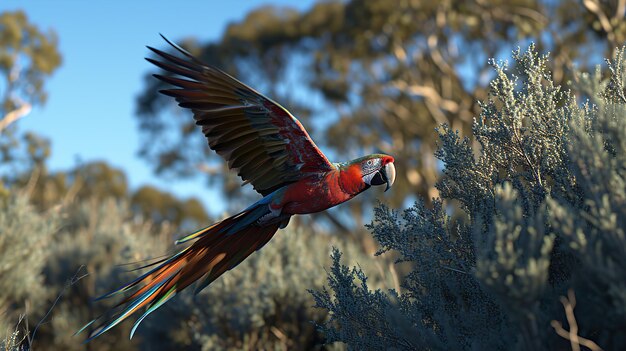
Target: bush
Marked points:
24	238
541	194
262	304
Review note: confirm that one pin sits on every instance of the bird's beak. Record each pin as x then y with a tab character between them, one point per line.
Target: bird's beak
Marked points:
389	173
385	175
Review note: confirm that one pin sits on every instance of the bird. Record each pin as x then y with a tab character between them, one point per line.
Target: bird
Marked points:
269	149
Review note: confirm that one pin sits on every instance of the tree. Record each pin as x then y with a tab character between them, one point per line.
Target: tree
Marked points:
378	75
544	207
97	182
28	57
159	206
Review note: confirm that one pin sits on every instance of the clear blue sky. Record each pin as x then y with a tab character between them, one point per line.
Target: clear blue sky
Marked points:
90	111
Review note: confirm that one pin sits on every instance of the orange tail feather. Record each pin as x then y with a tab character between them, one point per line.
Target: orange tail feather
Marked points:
217	249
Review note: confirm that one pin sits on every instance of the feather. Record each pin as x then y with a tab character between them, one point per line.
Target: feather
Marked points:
217	98
217	249
183	95
174	59
182	83
239	161
181	71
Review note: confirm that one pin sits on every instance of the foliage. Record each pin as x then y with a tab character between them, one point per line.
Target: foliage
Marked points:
160	206
377	75
542	194
540	189
23	258
97	181
97	236
263	304
28	56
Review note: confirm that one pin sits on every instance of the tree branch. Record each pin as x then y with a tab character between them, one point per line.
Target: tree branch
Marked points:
14	115
594	7
572	335
428	93
620	12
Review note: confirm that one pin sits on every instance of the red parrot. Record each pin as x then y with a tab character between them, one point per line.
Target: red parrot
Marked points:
271	150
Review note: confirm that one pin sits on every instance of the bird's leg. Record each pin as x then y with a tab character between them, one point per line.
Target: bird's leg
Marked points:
270	216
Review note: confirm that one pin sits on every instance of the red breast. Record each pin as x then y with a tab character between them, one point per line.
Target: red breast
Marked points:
351	180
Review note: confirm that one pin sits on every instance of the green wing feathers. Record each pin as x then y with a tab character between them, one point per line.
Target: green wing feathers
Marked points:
260	139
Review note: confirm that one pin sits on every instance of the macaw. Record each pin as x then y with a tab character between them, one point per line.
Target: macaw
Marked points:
270	149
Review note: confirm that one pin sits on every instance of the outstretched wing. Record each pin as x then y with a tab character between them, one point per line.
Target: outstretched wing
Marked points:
259	138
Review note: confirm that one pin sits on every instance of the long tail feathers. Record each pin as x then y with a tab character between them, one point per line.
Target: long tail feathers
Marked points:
217	249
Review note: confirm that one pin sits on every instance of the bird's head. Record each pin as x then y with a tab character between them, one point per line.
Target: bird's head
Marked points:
377	169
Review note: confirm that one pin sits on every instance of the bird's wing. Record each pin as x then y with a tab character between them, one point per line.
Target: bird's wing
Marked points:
256	136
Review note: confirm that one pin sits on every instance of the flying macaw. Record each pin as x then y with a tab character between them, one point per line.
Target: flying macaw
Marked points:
271	150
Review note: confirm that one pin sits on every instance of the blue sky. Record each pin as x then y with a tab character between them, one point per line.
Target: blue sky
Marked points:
90	110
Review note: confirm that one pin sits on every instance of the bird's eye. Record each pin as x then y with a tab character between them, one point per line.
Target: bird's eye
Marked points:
369	162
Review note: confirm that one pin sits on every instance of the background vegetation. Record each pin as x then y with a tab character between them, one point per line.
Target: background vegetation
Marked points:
515	240
542	214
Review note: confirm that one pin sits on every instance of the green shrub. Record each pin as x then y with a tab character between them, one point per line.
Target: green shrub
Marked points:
25	237
262	304
542	210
